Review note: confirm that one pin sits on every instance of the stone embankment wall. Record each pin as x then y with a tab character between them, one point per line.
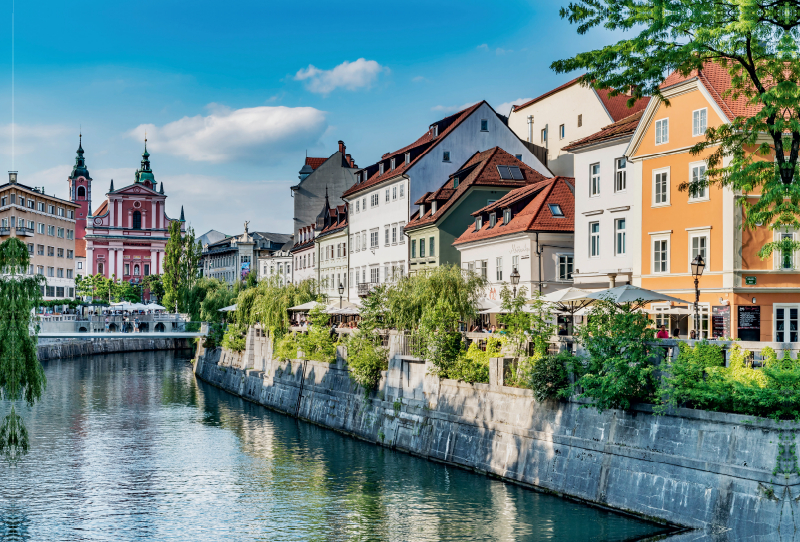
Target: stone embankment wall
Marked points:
729	477
88	347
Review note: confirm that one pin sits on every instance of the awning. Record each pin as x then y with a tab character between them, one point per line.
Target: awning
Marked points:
229	308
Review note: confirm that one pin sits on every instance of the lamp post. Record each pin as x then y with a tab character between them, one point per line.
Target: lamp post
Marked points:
341	293
515	280
698	265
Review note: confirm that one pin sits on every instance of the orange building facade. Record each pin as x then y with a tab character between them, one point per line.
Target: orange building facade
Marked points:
741	295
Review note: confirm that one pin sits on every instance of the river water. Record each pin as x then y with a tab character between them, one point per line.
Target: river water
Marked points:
132	447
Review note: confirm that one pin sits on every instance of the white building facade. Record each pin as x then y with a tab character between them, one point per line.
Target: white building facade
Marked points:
332	253
606	200
380	203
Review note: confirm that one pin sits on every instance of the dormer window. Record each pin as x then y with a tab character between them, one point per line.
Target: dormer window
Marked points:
506	216
391	164
408	158
435	131
433	208
380	169
478	223
422	210
556	210
455	182
492	220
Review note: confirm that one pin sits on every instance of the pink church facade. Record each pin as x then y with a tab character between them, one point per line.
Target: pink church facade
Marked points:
127	235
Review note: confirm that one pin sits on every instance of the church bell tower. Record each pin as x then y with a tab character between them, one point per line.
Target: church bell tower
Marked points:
80	191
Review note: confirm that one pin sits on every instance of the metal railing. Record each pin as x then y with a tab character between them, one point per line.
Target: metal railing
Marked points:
22	230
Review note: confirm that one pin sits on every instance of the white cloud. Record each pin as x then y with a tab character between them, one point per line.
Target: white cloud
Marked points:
500	51
505	107
419	79
254	134
244	200
483	47
452	108
29	138
348	75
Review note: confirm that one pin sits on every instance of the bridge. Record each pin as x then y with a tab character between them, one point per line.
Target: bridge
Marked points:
120	335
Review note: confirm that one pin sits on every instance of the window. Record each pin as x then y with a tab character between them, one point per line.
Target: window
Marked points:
80	265
60	233
492	219
387	195
661	188
662	131
483	268
40	270
518	157
619	227
402	192
561	132
580	121
60	272
394	234
373	239
51	251
31	204
515	263
786	320
41	206
499	269
70	234
391	166
374	274
698	176
699	247
484	125
413	248
594	240
51	271
60	253
699	122
51	209
556	210
394	192
422	248
787	258
51	230
565	263
400	226
408	158
3	201
364	203
510	172
478	223
374	200
69	273
544	135
351	244
386	235
22	201
40	250
380	168
30	248
137	220
127	269
358	205
455	182
594	182
431	247
60	211
660	256
40	228
620	177
506	216
446	156
146	269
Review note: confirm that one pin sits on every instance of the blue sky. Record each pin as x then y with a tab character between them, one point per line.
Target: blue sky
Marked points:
232	94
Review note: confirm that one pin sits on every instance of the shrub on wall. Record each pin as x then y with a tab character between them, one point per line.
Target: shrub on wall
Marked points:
234	338
286	347
473	365
547	375
366	356
318	344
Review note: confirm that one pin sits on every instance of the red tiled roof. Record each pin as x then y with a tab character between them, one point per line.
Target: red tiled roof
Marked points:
534	216
315	162
717	80
617	106
80	248
621	128
103	209
424	143
483	172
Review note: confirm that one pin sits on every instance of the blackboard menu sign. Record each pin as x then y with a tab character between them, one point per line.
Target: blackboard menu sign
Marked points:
749	323
721	321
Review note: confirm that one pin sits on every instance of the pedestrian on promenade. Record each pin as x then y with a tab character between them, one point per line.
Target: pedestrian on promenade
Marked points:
663	334
107	326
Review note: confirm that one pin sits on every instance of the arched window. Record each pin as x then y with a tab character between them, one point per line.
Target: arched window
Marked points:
137	220
81	192
100	268
136	270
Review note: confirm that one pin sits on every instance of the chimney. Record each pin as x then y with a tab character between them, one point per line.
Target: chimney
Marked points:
341	146
12	177
349	159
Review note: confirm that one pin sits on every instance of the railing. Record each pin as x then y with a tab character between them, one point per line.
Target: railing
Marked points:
22	230
364	288
408	344
5	231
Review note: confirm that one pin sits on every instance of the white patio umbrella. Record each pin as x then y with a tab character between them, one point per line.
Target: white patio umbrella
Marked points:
305	307
628	293
229	308
569	300
155	307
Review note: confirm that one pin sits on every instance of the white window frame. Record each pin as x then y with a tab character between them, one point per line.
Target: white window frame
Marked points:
594	180
624	232
656	172
786	307
660	320
696	130
653	239
778	255
624	172
659	126
594	235
561	132
705	196
498	269
696	234
564	255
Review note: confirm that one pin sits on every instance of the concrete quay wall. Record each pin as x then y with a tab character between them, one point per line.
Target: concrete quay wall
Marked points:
88	347
727	477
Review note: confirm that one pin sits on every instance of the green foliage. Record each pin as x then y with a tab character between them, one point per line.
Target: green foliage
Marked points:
234	338
171	278
473	366
524	321
271	304
286	347
21	375
697	378
755	41
155	284
366	357
317	343
547	376
618	370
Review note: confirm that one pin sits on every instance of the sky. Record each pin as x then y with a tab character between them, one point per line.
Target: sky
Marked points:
232	95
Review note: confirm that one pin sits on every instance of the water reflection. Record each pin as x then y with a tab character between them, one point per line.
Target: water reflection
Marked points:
132	447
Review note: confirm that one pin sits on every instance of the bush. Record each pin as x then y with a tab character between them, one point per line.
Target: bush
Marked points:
366	360
473	366
317	344
547	376
286	347
234	338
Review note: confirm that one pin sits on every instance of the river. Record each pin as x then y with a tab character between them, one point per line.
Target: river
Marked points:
132	447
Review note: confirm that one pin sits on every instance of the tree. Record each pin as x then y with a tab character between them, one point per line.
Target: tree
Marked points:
189	261
155	284
756	42
172	265
21	374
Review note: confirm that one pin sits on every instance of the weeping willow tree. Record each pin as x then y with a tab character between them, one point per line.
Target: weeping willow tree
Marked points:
21	375
269	303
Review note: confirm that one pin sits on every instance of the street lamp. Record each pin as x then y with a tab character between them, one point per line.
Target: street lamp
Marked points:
341	293
698	265
515	280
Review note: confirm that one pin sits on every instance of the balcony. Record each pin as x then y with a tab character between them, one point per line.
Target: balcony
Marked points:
5	231
22	230
364	288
